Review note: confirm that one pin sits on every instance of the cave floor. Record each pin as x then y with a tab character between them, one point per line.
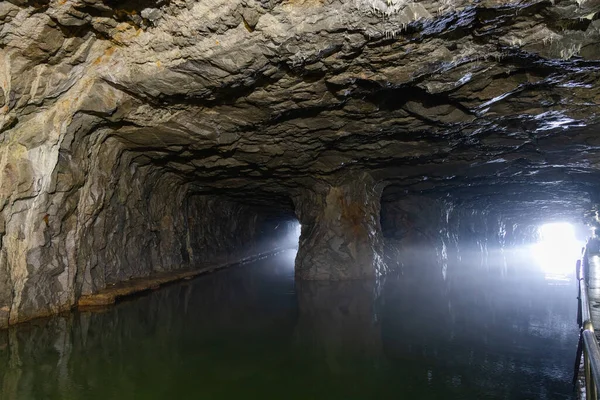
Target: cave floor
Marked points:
254	332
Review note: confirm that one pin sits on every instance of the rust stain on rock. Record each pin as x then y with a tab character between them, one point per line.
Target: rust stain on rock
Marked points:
353	215
107	53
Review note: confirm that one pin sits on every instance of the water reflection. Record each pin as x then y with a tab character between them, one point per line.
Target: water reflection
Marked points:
338	324
252	332
484	338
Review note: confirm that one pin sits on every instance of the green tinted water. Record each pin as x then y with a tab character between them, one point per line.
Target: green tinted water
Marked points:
251	332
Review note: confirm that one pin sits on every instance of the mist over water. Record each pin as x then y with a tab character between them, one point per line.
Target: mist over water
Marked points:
506	330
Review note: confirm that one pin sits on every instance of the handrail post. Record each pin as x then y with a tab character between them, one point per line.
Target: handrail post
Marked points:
590	389
588	341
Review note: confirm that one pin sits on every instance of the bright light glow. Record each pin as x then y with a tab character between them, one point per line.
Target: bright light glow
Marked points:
289	257
294	235
557	250
298	230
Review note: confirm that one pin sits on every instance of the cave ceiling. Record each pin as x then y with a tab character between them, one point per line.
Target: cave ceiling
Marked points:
493	103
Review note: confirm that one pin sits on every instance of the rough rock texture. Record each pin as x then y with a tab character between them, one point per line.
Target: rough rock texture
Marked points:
341	231
116	114
119	222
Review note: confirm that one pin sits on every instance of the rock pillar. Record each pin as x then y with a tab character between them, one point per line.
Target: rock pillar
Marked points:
341	232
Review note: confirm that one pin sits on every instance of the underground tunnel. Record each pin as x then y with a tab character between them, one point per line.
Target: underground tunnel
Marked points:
295	198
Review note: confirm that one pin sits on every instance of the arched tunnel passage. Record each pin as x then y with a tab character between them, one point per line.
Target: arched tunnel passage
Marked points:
157	226
277	230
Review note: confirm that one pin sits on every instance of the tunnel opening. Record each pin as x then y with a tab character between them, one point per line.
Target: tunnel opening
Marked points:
277	230
146	220
559	245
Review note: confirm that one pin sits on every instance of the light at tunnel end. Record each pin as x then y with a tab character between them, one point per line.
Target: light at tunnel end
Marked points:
557	250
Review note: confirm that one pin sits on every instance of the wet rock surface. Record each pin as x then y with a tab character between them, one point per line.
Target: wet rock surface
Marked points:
341	232
131	133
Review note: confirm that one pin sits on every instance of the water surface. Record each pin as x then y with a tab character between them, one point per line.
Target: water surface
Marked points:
251	332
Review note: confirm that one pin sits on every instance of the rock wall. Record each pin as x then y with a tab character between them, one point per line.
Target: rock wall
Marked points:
118	221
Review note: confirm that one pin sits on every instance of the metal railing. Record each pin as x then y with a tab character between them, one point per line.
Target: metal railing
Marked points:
588	344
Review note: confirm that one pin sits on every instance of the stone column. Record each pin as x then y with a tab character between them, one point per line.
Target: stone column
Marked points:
341	232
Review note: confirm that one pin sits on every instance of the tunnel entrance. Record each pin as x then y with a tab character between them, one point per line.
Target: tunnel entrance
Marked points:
202	234
558	247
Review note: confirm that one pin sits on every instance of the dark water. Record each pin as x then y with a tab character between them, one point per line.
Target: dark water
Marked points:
252	333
